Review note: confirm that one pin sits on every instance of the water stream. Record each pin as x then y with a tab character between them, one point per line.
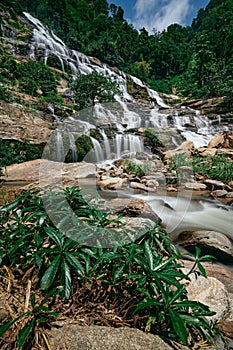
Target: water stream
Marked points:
128	113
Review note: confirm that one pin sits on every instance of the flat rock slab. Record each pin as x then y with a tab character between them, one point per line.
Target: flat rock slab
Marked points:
74	337
32	170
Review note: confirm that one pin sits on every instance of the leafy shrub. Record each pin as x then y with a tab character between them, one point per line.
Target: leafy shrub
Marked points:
33	75
218	167
139	170
18	152
5	95
88	88
141	281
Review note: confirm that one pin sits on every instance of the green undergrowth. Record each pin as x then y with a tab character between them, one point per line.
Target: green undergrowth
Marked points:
218	167
93	270
13	151
138	169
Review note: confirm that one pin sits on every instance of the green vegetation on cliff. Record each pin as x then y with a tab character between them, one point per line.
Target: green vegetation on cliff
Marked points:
195	60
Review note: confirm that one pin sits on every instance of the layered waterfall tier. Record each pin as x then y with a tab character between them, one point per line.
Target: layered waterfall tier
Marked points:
126	113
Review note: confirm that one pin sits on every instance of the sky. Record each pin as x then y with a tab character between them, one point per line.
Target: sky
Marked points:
157	15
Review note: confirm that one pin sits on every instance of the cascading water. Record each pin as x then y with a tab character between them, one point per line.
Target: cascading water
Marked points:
121	144
130	114
126	115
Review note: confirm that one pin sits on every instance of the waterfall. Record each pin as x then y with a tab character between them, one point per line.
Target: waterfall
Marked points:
127	144
106	144
113	149
99	154
79	63
59	146
73	147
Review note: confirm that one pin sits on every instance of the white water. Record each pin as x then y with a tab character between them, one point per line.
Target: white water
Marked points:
111	149
185	213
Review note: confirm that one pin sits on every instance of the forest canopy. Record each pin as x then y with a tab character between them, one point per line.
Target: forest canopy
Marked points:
195	60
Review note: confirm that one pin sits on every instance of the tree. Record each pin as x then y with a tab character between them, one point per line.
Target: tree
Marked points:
94	86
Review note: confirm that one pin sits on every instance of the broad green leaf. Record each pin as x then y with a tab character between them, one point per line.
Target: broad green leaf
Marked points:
142	281
24	332
74	263
50	273
179	326
149	254
141	262
118	273
7	325
56	236
201	269
163	264
9	207
177	294
66	278
147	304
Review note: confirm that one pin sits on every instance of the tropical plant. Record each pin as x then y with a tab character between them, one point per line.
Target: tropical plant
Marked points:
141	279
94	86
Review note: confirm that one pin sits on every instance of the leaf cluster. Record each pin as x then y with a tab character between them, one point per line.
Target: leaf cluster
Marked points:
143	277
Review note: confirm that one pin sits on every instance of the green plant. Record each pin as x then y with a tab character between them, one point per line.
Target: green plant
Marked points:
13	151
153	138
141	279
38	315
139	170
5	95
218	167
88	88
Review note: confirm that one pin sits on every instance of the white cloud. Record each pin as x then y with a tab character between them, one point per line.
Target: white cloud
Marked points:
159	14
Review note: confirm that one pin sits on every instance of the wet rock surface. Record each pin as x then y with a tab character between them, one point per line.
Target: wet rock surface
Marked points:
210	242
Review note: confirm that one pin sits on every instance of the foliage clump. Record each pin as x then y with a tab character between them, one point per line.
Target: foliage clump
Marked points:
140	281
13	152
94	86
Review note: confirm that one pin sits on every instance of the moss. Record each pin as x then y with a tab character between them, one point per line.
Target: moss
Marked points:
153	140
84	145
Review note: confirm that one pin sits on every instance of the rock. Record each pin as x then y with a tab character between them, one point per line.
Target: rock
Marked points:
111	183
207	152
210	242
20	123
214	184
226	324
136	223
195	186
219	193
210	292
217	141
185	148
229	195
31	171
75	337
133	208
138	186
152	183
224	140
219	272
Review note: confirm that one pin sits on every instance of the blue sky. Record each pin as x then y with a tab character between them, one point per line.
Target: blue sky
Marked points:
159	14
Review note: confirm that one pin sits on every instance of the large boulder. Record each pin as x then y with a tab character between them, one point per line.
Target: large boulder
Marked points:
32	170
224	140
210	242
185	148
74	337
211	292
